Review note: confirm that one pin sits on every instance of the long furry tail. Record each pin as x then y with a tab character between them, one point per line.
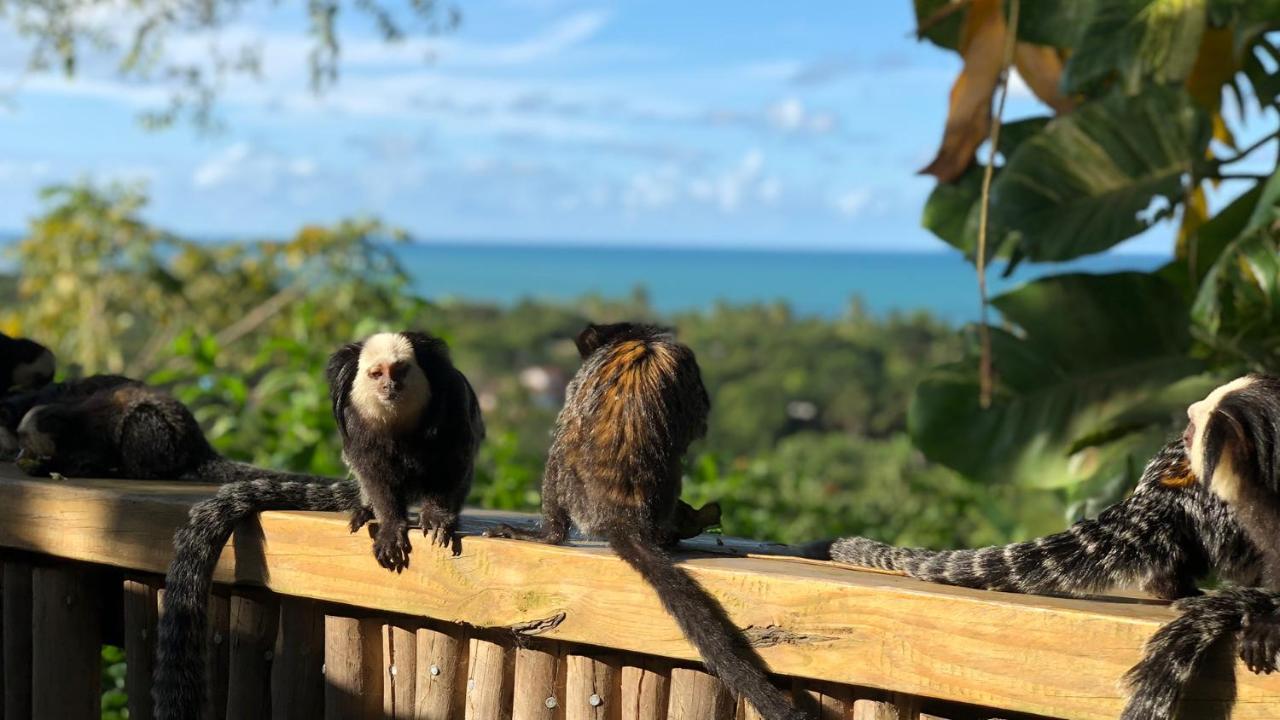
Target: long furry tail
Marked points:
1124	546
179	687
1174	653
722	647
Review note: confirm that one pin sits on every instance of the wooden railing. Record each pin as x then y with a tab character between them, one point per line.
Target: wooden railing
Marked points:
306	625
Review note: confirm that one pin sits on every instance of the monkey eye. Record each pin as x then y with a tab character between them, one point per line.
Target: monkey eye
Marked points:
375	373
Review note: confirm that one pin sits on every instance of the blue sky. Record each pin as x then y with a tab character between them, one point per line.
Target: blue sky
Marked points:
672	123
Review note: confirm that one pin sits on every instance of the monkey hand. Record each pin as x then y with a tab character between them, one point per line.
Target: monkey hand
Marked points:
391	546
501	530
438	525
360	517
1260	643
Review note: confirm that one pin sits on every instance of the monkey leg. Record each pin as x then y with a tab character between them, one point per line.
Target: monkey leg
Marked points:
391	545
553	531
1260	643
1173	586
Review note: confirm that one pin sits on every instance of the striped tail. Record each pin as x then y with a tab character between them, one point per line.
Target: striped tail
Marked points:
1126	545
179	689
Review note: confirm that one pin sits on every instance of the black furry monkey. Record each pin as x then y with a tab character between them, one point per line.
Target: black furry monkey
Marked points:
24	364
614	471
410	427
1170	532
1233	439
15	406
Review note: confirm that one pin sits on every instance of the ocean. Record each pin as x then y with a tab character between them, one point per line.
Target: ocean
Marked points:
812	283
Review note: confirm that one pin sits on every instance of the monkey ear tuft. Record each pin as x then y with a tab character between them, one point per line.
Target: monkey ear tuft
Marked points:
1246	424
590	340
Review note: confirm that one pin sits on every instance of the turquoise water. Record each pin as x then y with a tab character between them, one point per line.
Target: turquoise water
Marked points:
815	283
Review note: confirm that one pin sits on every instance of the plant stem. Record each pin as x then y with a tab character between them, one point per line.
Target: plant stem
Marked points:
1245	152
985	380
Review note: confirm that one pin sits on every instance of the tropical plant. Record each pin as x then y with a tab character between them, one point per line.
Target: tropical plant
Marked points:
1091	372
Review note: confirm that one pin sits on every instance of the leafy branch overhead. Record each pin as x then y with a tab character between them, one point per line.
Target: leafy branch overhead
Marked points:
189	50
1154	103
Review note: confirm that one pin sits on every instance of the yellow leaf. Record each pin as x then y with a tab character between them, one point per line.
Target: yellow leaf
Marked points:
1195	212
1214	66
1041	67
969	114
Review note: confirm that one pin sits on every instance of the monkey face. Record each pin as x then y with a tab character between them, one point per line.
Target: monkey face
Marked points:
389	387
388	379
37	438
1233	436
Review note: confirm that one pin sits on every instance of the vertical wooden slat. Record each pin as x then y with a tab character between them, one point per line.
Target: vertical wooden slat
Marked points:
252	626
352	668
823	701
400	673
645	692
66	665
488	681
908	706
141	612
2	681
539	684
17	640
297	670
874	710
217	656
439	693
695	695
593	690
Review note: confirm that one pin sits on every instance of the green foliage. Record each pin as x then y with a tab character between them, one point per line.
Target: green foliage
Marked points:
114	697
1084	182
1092	373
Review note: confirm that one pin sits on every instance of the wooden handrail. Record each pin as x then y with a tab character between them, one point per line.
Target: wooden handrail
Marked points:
1050	656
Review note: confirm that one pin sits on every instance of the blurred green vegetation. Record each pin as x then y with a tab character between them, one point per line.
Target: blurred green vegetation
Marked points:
808	432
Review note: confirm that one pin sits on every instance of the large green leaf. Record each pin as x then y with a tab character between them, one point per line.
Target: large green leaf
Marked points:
1237	309
1088	352
952	210
1137	40
1088	181
1059	23
941	21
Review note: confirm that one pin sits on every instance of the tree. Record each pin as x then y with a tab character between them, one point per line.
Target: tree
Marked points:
1093	372
137	38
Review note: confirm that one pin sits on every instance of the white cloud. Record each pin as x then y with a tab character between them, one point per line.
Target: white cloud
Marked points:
790	115
242	164
852	203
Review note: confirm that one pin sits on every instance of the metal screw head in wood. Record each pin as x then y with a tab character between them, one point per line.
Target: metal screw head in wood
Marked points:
551	702
392	670
435	670
595	700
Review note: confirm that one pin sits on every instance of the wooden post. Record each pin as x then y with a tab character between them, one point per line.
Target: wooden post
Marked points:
400	672
66	665
539	684
874	710
593	690
141	612
439	694
253	624
217	656
645	692
17	640
695	695
297	671
352	668
488	681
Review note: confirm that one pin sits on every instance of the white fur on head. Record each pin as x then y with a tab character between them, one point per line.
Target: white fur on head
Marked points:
379	353
1225	482
37	372
31	439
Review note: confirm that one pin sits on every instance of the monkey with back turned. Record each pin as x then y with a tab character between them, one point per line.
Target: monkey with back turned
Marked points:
614	471
1233	440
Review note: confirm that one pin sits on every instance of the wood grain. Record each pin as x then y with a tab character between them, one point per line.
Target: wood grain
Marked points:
489	681
297	670
539	684
441	686
592	689
696	695
253	627
352	668
17	640
645	691
400	671
141	612
811	620
66	663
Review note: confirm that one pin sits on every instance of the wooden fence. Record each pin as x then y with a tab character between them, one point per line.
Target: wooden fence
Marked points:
304	624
